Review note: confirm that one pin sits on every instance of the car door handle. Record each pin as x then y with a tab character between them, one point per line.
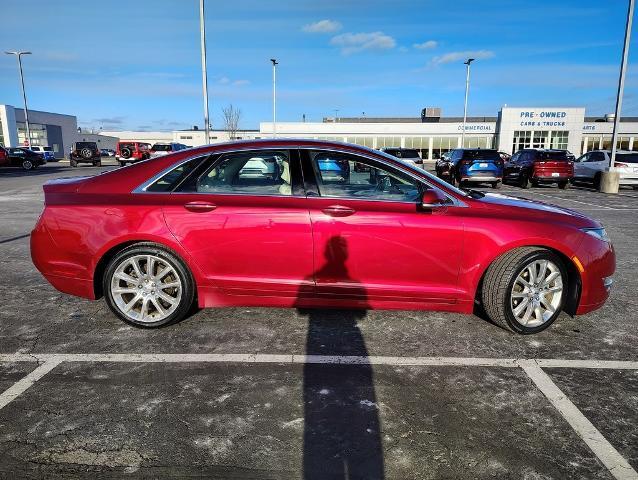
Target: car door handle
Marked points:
200	207
338	211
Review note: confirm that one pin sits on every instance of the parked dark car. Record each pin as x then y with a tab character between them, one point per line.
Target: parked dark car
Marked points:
406	154
23	157
471	165
85	152
531	167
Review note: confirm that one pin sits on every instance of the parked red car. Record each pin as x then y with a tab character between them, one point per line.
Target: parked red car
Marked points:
531	167
4	157
262	223
131	152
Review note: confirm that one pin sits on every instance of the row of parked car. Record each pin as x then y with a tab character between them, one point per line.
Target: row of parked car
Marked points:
528	167
126	152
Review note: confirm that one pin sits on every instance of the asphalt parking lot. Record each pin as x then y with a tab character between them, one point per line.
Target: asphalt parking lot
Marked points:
274	393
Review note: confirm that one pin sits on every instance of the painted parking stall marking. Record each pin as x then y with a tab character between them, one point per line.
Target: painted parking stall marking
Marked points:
604	451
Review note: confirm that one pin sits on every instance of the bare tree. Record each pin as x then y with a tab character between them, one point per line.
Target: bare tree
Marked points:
231	120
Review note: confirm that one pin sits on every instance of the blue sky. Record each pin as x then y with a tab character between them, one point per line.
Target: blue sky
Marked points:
135	64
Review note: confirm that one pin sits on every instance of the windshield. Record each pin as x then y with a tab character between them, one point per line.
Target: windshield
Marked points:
481	155
558	156
409	154
81	145
47	149
161	147
627	157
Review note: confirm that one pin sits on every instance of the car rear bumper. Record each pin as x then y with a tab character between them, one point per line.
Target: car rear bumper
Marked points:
481	178
60	269
563	177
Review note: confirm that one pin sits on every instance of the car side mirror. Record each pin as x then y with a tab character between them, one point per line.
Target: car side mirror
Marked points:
433	198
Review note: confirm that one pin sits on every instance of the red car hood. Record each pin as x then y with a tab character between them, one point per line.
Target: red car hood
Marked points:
521	207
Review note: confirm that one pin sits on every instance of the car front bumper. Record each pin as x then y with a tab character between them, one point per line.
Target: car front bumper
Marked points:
598	261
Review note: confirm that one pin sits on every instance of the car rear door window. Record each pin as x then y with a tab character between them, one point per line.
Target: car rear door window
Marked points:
173	178
343	175
627	157
596	157
265	172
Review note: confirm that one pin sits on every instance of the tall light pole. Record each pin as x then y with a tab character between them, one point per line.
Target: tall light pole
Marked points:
24	95
621	82
467	91
274	96
202	33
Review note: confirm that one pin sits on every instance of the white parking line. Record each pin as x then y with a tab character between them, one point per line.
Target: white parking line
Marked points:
319	359
21	385
606	453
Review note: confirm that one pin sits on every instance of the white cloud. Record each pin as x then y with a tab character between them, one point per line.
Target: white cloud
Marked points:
357	42
223	80
239	83
458	56
322	26
426	45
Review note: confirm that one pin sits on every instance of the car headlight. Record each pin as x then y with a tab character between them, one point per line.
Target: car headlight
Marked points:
599	233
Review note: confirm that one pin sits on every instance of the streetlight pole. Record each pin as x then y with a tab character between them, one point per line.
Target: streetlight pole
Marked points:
274	96
621	82
202	33
467	91
24	95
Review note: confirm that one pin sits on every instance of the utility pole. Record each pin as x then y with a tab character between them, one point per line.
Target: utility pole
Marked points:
467	91
274	96
202	33
24	95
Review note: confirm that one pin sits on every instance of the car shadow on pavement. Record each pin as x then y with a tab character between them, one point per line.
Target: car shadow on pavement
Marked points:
342	431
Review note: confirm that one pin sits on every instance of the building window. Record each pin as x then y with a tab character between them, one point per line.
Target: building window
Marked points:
560	140
38	134
388	142
1	134
441	145
473	141
185	137
539	139
522	139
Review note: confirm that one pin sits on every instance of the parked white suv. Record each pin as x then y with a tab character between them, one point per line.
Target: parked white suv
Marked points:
590	166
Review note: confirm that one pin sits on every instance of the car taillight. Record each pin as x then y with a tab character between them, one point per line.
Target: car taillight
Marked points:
466	162
620	165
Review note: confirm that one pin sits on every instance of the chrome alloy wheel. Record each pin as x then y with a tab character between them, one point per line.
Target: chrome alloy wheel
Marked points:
536	293
146	288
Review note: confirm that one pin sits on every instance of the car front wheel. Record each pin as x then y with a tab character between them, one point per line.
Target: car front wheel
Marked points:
27	164
147	286
524	290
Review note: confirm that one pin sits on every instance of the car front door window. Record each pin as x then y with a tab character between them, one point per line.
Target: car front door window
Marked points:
341	175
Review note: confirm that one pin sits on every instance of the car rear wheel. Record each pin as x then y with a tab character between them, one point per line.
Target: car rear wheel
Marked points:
523	181
524	290
496	185
563	185
147	286
597	179
27	164
97	163
74	163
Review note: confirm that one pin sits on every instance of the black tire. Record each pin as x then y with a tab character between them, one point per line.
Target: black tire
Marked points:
597	179
523	180
97	163
499	280
122	164
188	290
28	164
74	163
126	152
563	185
496	185
86	153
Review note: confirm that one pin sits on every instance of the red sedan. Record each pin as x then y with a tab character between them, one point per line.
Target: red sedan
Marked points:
302	223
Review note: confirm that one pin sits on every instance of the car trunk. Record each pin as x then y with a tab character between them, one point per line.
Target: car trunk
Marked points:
553	165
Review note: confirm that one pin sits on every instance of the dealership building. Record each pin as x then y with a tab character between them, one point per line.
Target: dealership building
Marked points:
511	130
432	134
